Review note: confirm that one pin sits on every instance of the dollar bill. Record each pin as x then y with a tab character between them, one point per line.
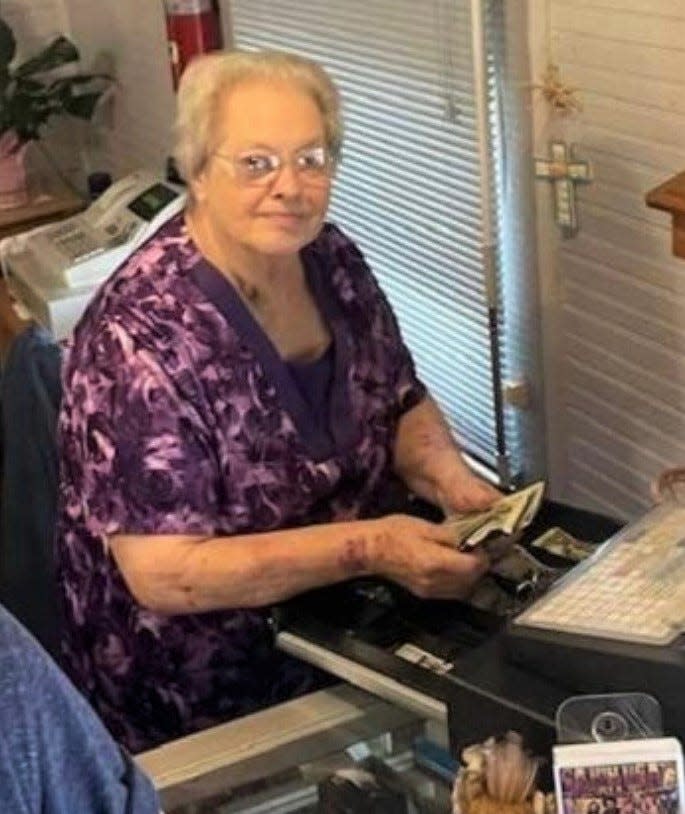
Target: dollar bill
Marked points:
560	543
534	495
510	511
462	526
507	516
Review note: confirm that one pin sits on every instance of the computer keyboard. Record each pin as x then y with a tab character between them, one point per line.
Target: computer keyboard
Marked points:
632	589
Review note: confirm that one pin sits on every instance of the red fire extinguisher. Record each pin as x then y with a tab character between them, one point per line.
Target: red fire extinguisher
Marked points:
193	27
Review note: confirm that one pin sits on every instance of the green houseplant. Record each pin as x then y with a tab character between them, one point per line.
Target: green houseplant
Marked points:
32	92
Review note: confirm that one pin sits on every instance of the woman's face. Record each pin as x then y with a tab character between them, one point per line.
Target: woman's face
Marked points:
260	118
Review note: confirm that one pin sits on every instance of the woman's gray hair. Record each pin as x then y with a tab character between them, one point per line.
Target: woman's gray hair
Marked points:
669	484
208	77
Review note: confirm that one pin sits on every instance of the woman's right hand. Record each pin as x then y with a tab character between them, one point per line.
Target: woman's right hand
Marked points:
420	556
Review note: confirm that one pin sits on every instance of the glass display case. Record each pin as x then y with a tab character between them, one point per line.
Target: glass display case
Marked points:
335	751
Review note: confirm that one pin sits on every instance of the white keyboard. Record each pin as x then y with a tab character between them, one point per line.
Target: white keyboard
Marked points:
632	589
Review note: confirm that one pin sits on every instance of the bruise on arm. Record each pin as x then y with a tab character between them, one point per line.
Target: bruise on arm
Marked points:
354	558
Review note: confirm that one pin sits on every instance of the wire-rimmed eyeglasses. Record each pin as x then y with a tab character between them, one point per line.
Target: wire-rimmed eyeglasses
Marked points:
313	166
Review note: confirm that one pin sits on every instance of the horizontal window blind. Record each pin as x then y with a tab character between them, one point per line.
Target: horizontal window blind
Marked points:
414	185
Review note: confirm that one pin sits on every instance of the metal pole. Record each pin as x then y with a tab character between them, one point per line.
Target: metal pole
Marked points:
480	82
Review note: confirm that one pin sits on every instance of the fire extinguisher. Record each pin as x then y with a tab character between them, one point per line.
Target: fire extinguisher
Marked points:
193	27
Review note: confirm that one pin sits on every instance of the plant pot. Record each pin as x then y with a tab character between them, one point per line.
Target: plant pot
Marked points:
13	182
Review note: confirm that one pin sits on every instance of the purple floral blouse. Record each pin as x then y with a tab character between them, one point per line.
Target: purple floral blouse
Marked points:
179	416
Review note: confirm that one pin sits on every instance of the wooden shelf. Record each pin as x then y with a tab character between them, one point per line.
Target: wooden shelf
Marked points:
670	197
49	200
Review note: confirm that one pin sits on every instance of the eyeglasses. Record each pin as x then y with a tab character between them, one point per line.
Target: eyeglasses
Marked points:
313	165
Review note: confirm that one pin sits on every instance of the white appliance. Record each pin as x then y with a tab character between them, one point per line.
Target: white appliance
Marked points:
54	270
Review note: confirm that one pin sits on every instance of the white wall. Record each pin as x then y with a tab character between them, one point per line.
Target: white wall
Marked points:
133	33
34	22
614	303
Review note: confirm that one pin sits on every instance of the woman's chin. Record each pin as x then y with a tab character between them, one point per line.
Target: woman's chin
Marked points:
284	243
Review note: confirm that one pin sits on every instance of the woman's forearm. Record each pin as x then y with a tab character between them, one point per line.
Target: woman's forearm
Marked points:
425	452
185	574
174	574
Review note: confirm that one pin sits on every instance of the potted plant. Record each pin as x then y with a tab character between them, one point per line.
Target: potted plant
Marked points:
31	92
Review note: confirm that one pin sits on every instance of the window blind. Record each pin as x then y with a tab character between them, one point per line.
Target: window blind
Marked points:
415	185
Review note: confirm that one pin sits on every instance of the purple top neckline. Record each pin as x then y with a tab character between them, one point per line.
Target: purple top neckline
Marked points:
321	424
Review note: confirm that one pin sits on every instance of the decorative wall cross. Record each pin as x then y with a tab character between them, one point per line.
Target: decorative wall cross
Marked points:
564	172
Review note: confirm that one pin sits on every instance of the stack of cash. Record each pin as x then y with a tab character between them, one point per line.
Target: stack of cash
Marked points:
508	516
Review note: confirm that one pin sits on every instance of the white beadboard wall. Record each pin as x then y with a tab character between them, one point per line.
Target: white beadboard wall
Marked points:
618	414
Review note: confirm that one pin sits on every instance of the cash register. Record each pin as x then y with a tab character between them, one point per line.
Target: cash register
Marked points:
448	661
53	271
610	624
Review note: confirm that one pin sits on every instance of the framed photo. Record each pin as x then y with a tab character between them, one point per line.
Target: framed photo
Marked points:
621	777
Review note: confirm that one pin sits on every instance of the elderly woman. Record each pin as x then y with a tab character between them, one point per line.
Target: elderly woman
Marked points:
239	410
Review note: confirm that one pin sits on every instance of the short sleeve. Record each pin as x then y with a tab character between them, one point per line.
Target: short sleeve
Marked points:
133	435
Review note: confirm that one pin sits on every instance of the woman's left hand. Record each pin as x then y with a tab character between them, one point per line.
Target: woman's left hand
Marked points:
463	491
428	460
